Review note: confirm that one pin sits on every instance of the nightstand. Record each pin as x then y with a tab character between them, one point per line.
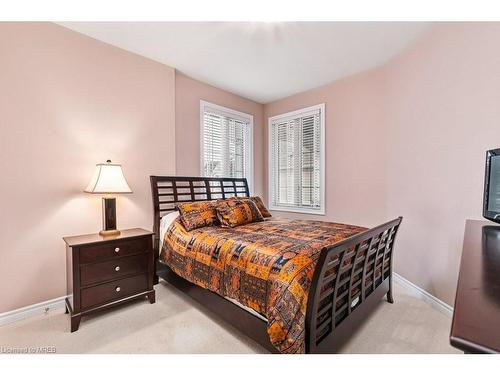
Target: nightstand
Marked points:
102	272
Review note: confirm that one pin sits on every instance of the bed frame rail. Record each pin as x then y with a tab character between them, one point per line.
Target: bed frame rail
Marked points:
348	274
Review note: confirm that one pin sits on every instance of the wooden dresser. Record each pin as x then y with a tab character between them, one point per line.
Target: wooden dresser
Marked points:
476	317
102	272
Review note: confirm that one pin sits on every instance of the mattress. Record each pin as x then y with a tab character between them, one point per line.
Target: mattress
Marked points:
265	266
165	223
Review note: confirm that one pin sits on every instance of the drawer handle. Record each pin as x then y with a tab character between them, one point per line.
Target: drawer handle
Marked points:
118	289
117	268
117	249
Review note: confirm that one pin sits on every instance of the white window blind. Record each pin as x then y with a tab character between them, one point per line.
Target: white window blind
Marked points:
296	152
226	143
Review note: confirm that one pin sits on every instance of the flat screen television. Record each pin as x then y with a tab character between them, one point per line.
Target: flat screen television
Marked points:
491	197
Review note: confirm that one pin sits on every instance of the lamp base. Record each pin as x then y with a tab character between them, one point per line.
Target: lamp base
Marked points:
112	232
109	217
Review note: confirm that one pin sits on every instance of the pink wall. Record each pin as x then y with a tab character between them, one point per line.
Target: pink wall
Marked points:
355	142
410	139
404	139
188	93
443	113
67	102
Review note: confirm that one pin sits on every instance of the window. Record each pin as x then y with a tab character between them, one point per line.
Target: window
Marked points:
226	142
297	161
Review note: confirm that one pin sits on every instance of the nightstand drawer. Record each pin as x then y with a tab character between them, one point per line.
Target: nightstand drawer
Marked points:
98	253
113	290
112	269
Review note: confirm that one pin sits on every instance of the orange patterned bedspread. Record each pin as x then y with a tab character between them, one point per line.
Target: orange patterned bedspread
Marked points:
267	266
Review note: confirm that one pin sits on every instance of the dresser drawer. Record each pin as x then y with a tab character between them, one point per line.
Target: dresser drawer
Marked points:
112	269
97	253
113	290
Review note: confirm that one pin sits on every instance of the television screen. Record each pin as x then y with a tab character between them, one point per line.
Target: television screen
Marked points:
491	207
494	188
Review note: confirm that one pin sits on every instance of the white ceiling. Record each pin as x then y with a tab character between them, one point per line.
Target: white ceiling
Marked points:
260	61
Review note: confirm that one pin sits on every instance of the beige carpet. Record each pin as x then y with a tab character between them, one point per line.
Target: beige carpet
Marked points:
176	324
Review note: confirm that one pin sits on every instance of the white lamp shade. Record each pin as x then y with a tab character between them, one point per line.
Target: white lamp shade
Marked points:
108	178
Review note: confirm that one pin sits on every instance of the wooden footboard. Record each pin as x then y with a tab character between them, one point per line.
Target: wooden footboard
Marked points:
350	278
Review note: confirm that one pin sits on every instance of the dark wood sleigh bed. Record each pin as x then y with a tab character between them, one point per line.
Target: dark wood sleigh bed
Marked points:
350	278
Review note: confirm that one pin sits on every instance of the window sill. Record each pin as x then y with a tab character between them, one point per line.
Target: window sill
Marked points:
298	210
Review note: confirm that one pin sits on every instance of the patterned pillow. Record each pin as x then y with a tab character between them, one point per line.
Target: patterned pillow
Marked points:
198	214
258	202
260	205
227	202
234	212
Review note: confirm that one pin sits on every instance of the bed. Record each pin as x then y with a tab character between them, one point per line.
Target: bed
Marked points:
347	271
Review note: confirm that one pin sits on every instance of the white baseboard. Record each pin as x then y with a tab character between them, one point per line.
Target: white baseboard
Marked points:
32	310
58	303
422	294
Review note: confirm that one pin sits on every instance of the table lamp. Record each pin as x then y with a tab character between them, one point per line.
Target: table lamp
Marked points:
108	179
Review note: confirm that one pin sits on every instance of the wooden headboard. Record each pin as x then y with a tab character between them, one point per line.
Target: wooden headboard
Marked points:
169	190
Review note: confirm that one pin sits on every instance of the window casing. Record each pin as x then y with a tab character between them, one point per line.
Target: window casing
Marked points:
297	161
226	142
